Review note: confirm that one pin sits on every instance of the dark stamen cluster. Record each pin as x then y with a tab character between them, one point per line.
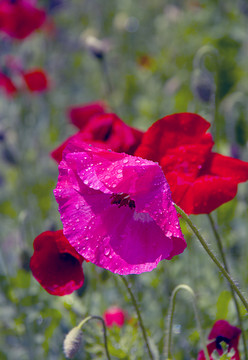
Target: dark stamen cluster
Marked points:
122	199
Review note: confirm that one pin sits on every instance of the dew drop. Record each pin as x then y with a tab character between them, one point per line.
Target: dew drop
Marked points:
125	161
77	206
106	251
86	182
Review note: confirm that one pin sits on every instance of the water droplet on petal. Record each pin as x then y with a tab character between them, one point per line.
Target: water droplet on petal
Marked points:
125	161
106	251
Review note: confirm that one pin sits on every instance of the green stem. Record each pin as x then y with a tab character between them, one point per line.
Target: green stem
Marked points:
105	72
168	345
223	257
212	256
128	287
99	318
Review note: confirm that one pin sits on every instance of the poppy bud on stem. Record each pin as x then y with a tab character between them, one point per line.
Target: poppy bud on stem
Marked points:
212	256
168	354
73	339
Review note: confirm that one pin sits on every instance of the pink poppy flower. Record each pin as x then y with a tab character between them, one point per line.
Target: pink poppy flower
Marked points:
200	180
55	264
222	331
116	209
36	80
20	18
7	85
114	315
105	131
81	114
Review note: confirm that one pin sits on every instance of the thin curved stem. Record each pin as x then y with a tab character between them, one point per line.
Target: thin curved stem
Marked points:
168	345
105	339
128	287
223	257
212	256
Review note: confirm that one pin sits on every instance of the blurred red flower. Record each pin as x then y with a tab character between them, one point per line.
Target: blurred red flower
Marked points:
222	331
55	264
7	85
114	315
36	80
105	131
200	180
19	18
81	114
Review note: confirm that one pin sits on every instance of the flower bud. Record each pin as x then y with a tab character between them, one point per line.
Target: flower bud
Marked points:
203	85
96	47
72	342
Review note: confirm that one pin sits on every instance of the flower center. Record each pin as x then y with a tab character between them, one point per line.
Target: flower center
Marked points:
122	199
219	339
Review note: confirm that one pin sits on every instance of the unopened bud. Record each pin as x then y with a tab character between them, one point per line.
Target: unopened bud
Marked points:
203	85
96	47
72	342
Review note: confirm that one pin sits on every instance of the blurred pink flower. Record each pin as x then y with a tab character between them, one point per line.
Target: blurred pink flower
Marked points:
20	18
114	316
7	85
116	209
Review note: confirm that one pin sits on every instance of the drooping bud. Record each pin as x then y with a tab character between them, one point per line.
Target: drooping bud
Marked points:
96	47
203	85
72	342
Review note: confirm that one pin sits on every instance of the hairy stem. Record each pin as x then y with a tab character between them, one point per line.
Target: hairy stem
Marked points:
128	287
168	345
212	256
223	257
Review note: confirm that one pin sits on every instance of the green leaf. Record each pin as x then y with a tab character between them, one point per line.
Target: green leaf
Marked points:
222	304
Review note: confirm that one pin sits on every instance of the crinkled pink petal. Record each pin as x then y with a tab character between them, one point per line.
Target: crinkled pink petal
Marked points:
121	239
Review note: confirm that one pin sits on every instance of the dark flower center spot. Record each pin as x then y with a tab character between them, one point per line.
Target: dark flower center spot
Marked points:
66	257
122	199
219	339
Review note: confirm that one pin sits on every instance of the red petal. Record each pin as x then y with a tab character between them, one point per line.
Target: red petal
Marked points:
170	132
227	167
80	115
206	194
36	80
55	264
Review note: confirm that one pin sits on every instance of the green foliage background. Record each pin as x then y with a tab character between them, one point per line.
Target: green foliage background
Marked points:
184	41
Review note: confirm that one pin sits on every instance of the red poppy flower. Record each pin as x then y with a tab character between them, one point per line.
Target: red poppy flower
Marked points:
7	84
20	18
222	331
80	115
105	131
114	316
36	80
55	264
200	180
